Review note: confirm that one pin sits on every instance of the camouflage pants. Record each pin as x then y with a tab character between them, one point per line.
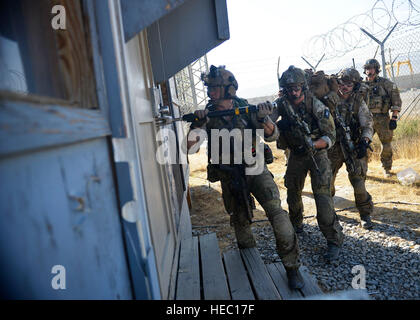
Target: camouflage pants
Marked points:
381	126
357	179
297	169
265	190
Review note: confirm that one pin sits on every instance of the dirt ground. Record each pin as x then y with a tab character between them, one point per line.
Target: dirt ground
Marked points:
208	213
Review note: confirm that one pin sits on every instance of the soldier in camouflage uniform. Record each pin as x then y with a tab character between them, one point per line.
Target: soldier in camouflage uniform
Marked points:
222	88
383	95
322	136
356	116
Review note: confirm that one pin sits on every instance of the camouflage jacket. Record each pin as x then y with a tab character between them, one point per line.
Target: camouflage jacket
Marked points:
383	95
356	115
241	122
315	114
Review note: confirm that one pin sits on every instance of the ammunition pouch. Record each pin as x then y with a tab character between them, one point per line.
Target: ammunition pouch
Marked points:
380	102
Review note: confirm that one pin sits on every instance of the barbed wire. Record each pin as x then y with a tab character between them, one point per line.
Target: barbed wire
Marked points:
377	21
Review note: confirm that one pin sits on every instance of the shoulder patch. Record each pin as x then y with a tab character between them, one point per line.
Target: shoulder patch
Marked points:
326	113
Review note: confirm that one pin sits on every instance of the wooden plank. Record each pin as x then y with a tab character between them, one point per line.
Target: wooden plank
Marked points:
311	286
239	285
188	284
260	279
278	274
26	127
74	54
214	279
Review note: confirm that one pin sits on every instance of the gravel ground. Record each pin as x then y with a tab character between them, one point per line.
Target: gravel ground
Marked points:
390	256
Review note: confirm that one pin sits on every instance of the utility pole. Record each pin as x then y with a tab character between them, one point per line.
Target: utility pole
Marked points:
382	45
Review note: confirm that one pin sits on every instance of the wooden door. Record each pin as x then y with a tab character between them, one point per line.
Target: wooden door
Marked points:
160	211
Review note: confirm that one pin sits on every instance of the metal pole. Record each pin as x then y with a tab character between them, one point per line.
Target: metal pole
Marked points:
312	67
319	61
383	60
392	65
316	66
382	44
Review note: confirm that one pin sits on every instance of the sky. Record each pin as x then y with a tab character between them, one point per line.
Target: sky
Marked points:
263	30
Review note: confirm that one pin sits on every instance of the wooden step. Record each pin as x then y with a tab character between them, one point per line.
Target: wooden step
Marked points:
261	281
311	285
215	285
240	287
278	274
188	283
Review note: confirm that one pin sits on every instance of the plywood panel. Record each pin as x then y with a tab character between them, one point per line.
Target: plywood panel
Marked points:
59	207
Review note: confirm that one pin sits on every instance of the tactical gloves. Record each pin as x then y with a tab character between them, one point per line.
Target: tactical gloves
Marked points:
392	124
310	144
202	118
362	148
264	109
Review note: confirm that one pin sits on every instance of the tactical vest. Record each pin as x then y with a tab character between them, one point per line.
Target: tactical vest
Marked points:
379	97
349	111
241	122
294	140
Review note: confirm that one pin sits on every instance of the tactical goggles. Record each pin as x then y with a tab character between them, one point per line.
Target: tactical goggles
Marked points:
347	84
293	88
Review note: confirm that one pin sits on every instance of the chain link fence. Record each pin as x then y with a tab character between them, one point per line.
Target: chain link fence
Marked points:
396	24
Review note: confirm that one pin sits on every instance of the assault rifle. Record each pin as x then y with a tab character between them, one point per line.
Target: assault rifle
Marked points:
303	131
347	146
240	190
191	117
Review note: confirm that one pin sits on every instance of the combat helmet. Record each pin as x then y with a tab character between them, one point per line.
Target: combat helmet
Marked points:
220	77
372	63
350	74
293	76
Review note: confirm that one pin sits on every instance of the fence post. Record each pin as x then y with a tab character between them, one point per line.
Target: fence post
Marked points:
382	44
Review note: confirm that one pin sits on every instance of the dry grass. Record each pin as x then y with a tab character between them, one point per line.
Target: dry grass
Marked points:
405	143
208	209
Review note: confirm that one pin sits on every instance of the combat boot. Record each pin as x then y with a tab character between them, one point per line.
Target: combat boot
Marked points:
294	278
332	254
366	222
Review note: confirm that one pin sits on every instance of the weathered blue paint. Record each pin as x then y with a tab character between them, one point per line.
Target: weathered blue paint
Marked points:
125	189
111	76
137	15
142	264
59	207
25	126
135	258
222	19
140	280
186	34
